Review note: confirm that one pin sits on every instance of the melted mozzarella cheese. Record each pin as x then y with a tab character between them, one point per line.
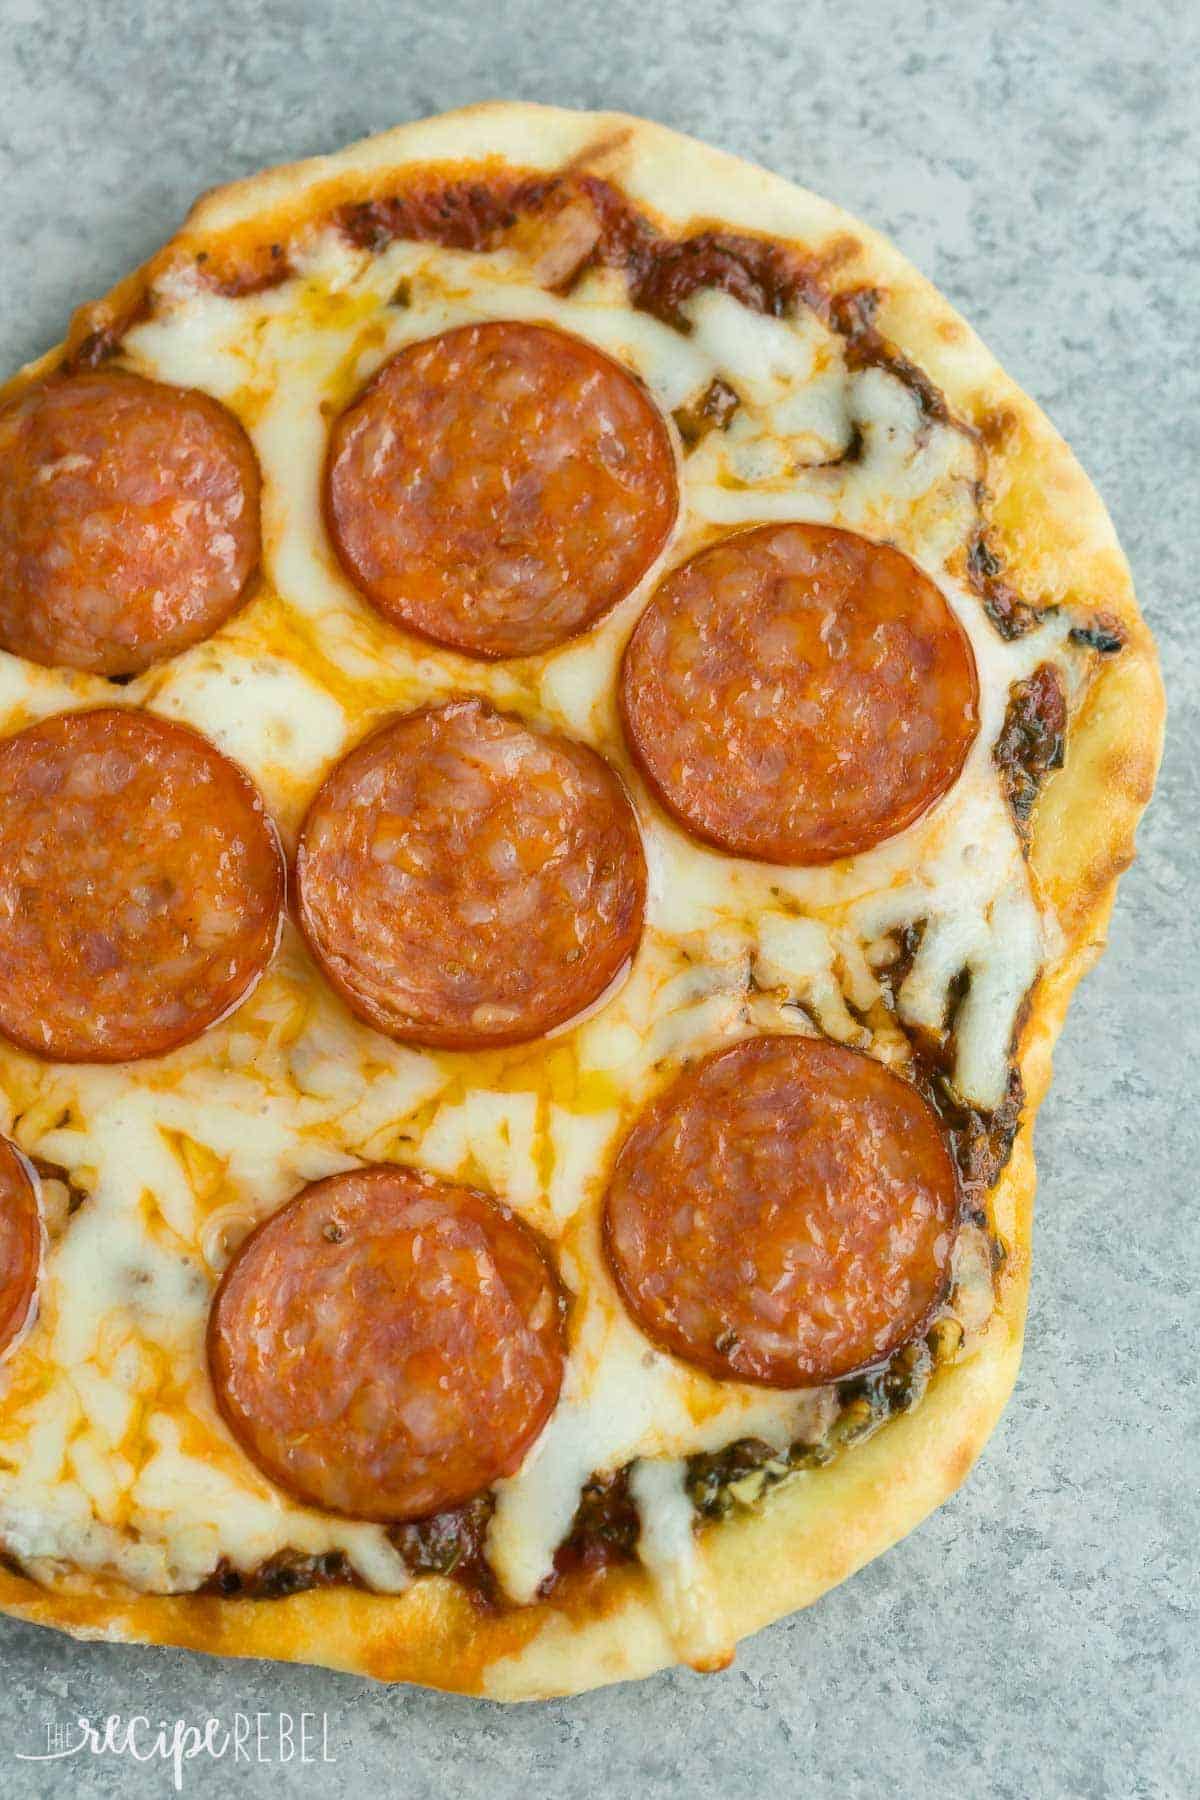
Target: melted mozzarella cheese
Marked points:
670	1550
112	1455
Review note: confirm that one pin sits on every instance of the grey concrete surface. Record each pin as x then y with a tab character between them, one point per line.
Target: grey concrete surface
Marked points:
1038	1637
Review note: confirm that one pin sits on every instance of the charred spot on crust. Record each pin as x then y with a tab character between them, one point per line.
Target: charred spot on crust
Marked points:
1030	744
287	1572
1102	633
449	1544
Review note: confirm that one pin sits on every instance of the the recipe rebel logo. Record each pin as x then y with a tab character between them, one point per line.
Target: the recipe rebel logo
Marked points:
260	1737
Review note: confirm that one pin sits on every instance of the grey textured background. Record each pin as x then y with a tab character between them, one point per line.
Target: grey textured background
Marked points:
1038	160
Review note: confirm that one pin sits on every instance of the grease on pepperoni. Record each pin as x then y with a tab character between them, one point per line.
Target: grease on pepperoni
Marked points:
797	693
499	487
20	1243
387	1346
140	886
465	881
784	1214
129	521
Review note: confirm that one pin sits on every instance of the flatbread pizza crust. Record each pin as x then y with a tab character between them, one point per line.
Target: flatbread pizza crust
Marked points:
1057	546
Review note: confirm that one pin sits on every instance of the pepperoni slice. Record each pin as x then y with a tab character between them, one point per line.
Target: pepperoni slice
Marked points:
129	521
465	881
499	487
783	1214
387	1345
140	886
20	1243
797	694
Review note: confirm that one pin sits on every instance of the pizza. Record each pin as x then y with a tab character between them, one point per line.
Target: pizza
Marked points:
565	736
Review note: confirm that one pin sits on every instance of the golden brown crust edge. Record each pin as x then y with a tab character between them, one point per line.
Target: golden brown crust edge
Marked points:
1058	546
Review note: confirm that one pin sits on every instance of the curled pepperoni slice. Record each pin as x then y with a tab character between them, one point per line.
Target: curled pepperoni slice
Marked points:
129	521
783	1214
387	1345
499	487
797	694
140	886
464	881
20	1243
